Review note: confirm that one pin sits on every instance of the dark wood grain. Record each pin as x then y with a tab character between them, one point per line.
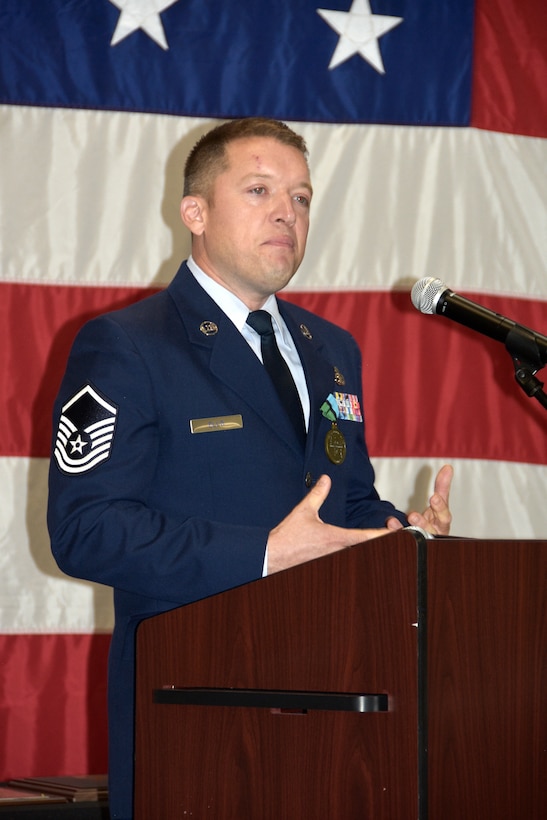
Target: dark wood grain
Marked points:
487	695
340	624
345	623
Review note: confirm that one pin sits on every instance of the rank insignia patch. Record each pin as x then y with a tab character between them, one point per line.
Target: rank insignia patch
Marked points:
85	432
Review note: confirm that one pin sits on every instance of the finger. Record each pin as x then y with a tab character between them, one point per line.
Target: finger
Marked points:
430	523
443	482
318	493
394	524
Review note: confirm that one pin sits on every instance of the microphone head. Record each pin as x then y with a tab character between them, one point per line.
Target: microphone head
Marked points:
426	293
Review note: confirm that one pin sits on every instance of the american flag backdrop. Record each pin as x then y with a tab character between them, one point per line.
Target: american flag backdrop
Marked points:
426	124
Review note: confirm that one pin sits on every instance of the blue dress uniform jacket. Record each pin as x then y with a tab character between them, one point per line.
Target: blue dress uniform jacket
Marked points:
165	515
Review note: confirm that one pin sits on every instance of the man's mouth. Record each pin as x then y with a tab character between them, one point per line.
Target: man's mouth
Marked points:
281	242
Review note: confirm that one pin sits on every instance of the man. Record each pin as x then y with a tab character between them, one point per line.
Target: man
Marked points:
177	471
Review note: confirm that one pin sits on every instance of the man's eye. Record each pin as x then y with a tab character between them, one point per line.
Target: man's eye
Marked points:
258	189
303	200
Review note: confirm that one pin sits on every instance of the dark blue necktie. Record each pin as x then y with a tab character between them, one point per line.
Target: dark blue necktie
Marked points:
278	370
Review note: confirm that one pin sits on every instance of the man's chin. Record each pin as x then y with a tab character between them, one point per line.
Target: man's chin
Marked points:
278	278
282	267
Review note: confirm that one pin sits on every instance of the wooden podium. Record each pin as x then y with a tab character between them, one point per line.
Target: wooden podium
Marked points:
399	679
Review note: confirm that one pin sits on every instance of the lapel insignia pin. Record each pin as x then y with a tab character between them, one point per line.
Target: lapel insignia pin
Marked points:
208	328
305	332
339	378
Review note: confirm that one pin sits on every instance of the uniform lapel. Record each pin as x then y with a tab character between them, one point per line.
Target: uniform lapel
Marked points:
318	370
231	360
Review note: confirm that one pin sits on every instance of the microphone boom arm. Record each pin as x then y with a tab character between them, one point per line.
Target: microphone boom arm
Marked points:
523	349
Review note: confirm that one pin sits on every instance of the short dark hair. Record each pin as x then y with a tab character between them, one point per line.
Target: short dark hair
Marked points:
208	159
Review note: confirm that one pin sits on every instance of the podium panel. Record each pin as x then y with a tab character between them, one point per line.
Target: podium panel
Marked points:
487	636
398	679
331	650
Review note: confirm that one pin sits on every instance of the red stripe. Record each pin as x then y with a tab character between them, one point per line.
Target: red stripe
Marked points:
53	705
510	67
39	324
432	388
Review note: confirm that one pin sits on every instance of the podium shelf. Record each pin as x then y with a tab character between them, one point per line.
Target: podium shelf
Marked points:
273	699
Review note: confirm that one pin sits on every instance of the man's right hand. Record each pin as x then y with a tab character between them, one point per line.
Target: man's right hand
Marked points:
302	536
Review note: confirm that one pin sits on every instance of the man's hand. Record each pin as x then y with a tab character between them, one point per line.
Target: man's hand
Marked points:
302	536
437	518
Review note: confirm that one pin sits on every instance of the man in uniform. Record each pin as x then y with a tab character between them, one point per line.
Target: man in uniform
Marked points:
211	433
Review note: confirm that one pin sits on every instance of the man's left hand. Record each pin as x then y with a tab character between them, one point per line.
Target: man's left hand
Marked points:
437	518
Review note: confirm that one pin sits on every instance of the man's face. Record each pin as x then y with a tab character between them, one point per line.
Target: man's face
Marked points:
254	225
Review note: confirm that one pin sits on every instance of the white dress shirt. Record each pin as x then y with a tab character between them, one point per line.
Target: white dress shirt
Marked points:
237	312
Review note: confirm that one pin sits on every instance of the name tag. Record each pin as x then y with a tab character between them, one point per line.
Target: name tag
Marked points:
215	424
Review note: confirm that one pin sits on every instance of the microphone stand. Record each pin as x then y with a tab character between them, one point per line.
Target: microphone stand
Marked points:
524	351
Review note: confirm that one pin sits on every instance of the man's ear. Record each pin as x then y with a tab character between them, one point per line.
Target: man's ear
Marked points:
192	213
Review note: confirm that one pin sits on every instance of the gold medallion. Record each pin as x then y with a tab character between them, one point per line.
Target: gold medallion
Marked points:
335	445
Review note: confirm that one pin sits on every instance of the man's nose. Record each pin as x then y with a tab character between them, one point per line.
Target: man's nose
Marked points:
284	210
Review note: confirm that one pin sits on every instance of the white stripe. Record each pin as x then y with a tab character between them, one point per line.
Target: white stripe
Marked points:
82	465
88	390
100	439
106	426
98	203
36	596
66	428
489	500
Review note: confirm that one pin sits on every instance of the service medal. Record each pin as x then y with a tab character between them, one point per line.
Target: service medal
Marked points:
335	445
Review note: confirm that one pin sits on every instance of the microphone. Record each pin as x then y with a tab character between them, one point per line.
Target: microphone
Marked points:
430	295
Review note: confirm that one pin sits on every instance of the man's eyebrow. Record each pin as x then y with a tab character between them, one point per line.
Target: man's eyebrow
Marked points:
260	175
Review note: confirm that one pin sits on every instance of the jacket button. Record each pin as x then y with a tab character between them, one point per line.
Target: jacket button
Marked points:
308	480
